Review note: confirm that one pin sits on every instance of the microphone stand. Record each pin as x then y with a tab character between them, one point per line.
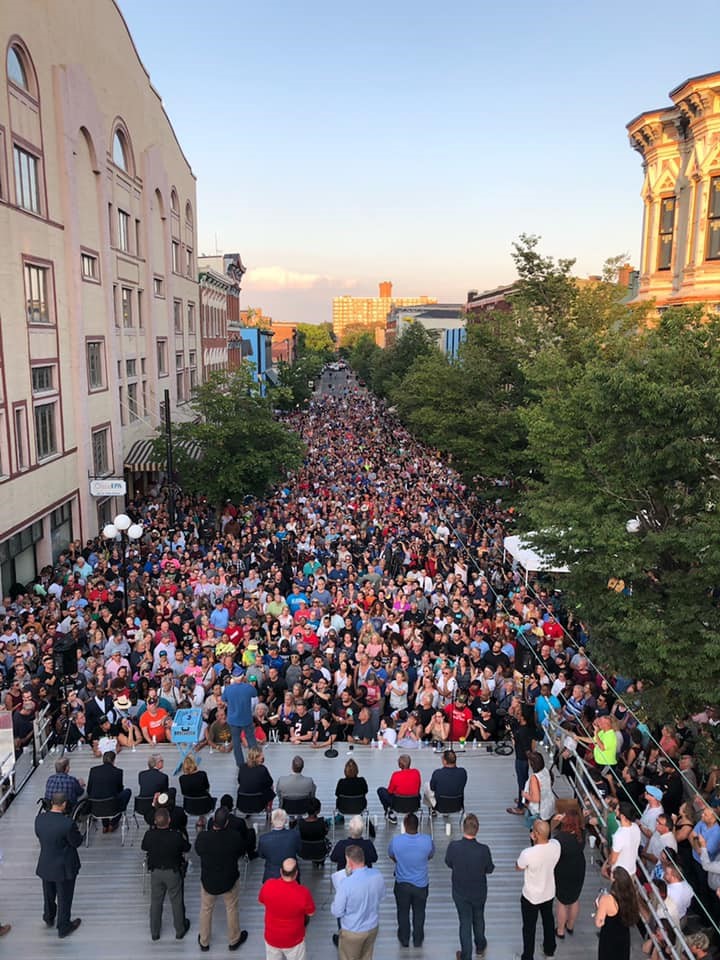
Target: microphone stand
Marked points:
331	752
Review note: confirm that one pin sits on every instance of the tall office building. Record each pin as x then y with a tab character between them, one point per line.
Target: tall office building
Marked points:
370	312
98	288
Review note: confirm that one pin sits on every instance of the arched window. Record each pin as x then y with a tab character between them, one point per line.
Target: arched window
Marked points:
120	151
174	201
188	214
16	70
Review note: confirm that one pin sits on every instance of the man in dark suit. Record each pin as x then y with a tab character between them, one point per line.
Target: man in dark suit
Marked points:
58	864
105	781
153	780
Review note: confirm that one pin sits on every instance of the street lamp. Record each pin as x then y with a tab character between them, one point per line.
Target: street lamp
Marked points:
128	532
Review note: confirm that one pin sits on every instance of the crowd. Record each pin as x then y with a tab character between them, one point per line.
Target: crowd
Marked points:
366	600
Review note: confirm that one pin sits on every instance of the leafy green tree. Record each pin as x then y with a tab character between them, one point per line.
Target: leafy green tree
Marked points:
393	363
243	448
296	378
316	338
631	437
364	357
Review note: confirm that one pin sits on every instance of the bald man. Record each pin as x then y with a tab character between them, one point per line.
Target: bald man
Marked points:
288	906
538	866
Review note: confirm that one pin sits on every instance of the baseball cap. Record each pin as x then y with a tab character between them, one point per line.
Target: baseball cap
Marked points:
654	792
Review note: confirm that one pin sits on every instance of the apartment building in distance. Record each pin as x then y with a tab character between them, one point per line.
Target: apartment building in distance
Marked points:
220	278
680	149
98	279
370	312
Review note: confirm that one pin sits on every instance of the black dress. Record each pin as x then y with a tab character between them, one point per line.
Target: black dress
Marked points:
570	868
194	784
351	787
614	943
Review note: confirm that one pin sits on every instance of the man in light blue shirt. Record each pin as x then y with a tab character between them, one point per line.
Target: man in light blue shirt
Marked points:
357	906
239	696
410	852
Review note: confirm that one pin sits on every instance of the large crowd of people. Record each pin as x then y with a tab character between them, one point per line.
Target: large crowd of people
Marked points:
366	600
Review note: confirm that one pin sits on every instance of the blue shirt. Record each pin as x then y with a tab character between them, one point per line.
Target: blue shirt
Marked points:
712	839
239	698
219	618
357	901
411	853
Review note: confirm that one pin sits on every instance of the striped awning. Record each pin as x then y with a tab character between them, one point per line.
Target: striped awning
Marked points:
141	456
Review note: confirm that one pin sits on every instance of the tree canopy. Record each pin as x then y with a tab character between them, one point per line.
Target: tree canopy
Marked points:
316	338
243	448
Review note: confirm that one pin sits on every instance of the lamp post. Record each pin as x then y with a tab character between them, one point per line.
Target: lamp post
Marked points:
123	527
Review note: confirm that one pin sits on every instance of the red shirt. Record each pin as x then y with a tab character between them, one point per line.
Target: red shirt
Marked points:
459	718
287	903
405	783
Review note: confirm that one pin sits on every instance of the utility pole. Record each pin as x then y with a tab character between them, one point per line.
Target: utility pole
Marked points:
170	464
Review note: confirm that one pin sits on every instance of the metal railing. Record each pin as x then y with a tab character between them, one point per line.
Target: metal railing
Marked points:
590	798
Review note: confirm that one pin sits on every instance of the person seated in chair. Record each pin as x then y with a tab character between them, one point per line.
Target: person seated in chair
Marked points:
354	838
153	780
295	786
313	832
447	781
105	782
178	817
278	844
405	782
351	785
62	781
253	776
193	782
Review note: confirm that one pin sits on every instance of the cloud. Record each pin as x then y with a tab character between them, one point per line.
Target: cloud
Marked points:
280	278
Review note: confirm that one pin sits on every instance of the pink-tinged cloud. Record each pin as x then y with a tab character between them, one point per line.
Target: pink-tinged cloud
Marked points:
280	278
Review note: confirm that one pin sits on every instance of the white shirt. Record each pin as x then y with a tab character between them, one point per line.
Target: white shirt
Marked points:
538	865
681	893
661	841
626	842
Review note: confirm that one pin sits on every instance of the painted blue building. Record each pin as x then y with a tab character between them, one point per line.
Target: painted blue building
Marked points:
253	344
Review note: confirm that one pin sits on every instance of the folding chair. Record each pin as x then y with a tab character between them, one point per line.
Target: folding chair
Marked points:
105	809
350	807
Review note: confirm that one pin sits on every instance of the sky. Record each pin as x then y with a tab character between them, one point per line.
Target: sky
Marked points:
339	144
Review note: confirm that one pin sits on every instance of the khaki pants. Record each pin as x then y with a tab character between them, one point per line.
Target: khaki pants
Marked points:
207	905
357	946
297	952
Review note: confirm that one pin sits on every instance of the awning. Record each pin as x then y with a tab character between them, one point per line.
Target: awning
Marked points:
141	456
529	559
272	377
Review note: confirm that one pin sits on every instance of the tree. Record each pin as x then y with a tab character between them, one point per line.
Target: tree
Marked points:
394	361
631	437
364	357
243	448
546	290
295	380
316	338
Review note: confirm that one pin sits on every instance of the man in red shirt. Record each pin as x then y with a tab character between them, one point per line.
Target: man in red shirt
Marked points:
459	716
405	782
288	905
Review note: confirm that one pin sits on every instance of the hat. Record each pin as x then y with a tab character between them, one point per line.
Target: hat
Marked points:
163	799
123	702
163	653
654	792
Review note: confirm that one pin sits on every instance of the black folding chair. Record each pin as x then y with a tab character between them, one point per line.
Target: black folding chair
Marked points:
252	804
446	806
401	805
106	808
199	806
350	807
315	851
143	808
295	806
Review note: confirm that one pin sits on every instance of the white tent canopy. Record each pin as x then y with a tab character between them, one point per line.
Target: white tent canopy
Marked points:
529	559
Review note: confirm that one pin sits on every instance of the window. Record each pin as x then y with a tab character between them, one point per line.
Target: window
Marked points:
177	316
27	190
665	238
138	239
120	152
713	252
36	293
126	306
121	401
179	361
180	385
96	364
145	398
89	266
174	202
101	460
158	287
191	318
124	231
132	395
188	261
175	257
162	358
21	438
116	314
16	69
131	368
192	362
45	438
141	320
42	379
143	370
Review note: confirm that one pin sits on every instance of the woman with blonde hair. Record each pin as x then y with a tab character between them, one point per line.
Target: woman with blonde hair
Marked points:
193	782
253	778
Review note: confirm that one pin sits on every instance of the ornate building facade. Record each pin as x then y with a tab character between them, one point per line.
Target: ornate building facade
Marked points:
680	149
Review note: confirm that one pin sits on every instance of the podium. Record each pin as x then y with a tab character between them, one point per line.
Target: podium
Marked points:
185	733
